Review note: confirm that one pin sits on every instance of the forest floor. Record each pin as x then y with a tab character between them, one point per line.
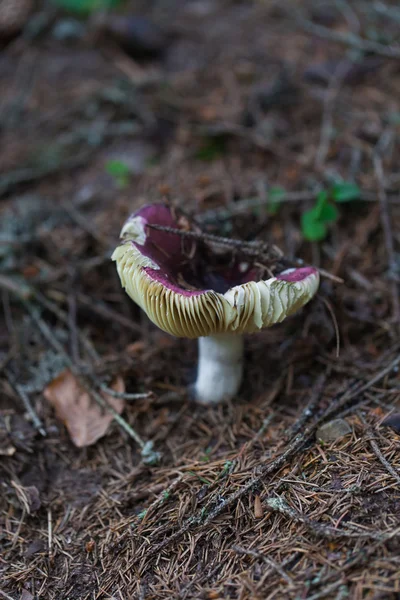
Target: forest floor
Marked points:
246	115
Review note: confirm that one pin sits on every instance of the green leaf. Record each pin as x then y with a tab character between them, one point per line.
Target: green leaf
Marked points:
312	229
120	171
345	192
320	204
314	221
328	214
85	7
116	168
275	196
323	210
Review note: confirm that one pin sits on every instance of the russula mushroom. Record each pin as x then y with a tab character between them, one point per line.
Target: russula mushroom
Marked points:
190	291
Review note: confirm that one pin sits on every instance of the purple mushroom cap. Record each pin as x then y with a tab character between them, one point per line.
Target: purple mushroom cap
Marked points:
173	278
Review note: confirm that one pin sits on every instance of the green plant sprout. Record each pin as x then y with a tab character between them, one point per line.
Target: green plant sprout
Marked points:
120	171
315	221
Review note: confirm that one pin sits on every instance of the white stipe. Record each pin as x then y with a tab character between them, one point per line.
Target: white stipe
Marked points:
220	368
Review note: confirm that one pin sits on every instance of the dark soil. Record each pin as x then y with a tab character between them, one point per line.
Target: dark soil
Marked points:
210	104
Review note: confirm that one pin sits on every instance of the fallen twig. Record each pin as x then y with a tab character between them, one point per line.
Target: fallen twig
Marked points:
346	38
387	231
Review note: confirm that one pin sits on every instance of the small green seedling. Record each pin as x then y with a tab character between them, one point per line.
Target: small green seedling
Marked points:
345	192
120	171
315	221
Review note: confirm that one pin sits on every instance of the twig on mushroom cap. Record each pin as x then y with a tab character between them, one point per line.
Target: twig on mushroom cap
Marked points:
257	249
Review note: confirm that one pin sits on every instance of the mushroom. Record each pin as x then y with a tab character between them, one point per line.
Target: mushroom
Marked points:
190	291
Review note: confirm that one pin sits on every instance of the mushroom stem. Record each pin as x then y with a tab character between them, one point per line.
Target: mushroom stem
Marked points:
220	368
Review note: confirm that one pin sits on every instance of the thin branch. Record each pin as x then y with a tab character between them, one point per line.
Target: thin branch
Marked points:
348	39
248	204
388	235
254	248
124	395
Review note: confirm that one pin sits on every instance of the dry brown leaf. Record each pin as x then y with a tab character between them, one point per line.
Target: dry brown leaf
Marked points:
85	420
